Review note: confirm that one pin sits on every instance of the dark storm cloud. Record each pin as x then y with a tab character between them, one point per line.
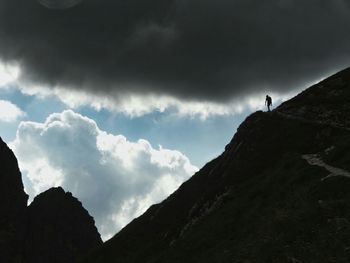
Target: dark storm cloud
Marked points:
199	49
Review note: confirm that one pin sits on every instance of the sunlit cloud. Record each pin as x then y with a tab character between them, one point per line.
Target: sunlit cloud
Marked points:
137	105
115	178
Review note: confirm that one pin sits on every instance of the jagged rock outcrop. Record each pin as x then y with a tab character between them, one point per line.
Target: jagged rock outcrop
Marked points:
59	229
278	193
13	203
55	228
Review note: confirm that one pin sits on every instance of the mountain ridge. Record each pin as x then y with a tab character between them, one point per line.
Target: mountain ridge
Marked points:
260	200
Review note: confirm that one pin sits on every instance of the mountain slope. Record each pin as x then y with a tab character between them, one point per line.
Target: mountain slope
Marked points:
267	198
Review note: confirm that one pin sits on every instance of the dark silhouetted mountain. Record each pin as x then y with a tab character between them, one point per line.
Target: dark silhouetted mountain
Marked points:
280	192
13	203
55	228
59	229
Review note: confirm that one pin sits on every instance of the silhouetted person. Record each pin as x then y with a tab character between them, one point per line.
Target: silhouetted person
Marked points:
268	102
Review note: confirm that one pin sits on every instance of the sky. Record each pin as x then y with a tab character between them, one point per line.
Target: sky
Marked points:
122	101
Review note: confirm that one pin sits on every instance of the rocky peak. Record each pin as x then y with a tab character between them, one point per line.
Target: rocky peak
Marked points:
14	199
59	228
13	203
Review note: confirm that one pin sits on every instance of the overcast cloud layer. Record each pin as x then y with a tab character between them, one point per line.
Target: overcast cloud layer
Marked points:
193	49
115	179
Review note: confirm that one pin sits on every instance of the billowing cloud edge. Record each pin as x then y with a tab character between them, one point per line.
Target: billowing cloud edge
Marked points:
116	179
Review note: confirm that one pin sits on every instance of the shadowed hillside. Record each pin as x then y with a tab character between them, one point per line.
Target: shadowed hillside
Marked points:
13	203
278	193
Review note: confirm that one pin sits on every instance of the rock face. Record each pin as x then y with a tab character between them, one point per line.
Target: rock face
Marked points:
13	203
278	193
59	229
55	228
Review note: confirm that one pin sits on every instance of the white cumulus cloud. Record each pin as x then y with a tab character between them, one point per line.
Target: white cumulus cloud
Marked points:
9	112
116	179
